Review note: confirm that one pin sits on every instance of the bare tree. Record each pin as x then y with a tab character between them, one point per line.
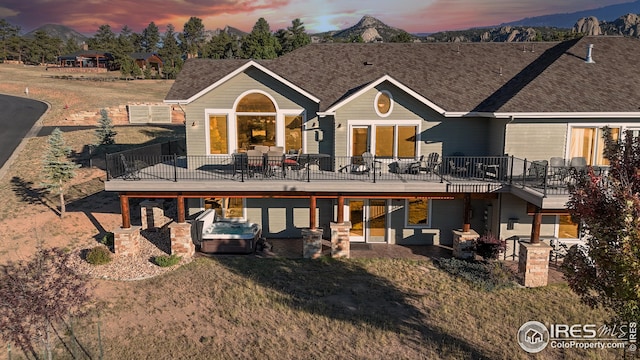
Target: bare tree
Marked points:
36	297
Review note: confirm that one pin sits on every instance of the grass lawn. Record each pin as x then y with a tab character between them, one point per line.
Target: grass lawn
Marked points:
247	307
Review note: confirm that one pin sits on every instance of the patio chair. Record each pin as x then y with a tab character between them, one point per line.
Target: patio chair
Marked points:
291	162
538	170
255	162
414	167
275	161
369	165
277	148
558	170
578	165
262	148
458	167
431	164
131	170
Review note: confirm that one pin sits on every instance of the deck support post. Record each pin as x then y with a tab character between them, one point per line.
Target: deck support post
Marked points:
340	218
124	210
312	212
466	226
535	226
181	212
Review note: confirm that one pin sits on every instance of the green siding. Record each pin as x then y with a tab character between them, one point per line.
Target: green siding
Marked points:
225	95
536	141
442	135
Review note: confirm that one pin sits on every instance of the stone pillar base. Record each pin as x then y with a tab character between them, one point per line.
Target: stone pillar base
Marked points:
181	242
340	245
533	263
152	214
463	244
126	242
311	243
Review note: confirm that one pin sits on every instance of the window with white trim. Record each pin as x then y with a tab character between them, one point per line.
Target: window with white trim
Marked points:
395	141
254	120
230	208
383	103
418	212
587	142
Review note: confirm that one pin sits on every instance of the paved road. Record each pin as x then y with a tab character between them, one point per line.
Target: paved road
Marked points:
17	117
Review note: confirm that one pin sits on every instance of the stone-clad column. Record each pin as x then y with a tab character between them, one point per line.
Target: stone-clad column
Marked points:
533	263
463	244
126	242
152	214
340	246
181	242
311	243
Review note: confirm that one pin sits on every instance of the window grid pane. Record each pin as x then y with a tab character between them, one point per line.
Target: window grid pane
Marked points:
418	212
256	103
567	229
406	141
293	132
218	136
384	141
256	130
234	208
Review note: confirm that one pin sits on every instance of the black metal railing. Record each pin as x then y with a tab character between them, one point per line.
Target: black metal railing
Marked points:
483	173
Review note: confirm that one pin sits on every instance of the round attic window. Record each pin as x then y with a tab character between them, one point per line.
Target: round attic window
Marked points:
383	103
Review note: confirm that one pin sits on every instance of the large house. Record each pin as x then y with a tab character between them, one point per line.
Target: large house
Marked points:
405	143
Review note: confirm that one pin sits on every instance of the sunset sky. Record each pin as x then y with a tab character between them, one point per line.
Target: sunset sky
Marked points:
413	16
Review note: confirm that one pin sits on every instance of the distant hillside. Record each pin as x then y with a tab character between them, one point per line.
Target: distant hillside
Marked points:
59	31
567	20
368	28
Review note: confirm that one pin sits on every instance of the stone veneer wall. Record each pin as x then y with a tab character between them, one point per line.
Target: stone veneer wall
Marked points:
463	244
152	214
119	115
311	243
181	242
533	263
340	246
126	242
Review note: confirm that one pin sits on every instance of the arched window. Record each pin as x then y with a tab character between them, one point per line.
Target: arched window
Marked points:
255	121
255	102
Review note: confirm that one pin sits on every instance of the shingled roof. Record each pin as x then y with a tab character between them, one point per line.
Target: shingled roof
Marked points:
464	77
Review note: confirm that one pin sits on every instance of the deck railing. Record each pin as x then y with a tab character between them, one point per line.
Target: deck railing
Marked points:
485	173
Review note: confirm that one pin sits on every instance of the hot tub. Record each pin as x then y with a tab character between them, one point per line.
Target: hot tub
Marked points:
227	236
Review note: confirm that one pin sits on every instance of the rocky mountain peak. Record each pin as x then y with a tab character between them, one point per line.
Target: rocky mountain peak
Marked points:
588	25
368	22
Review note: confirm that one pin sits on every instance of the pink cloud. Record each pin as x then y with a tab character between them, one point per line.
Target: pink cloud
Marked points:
86	16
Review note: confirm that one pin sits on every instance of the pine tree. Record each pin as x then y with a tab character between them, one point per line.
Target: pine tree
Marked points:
261	43
105	132
192	38
58	169
293	37
170	53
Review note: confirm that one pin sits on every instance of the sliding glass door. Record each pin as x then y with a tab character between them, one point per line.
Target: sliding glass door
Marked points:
368	220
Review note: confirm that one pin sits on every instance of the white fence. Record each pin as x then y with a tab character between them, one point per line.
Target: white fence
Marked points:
149	114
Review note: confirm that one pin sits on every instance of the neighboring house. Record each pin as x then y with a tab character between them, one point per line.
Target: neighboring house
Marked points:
151	61
86	59
494	113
